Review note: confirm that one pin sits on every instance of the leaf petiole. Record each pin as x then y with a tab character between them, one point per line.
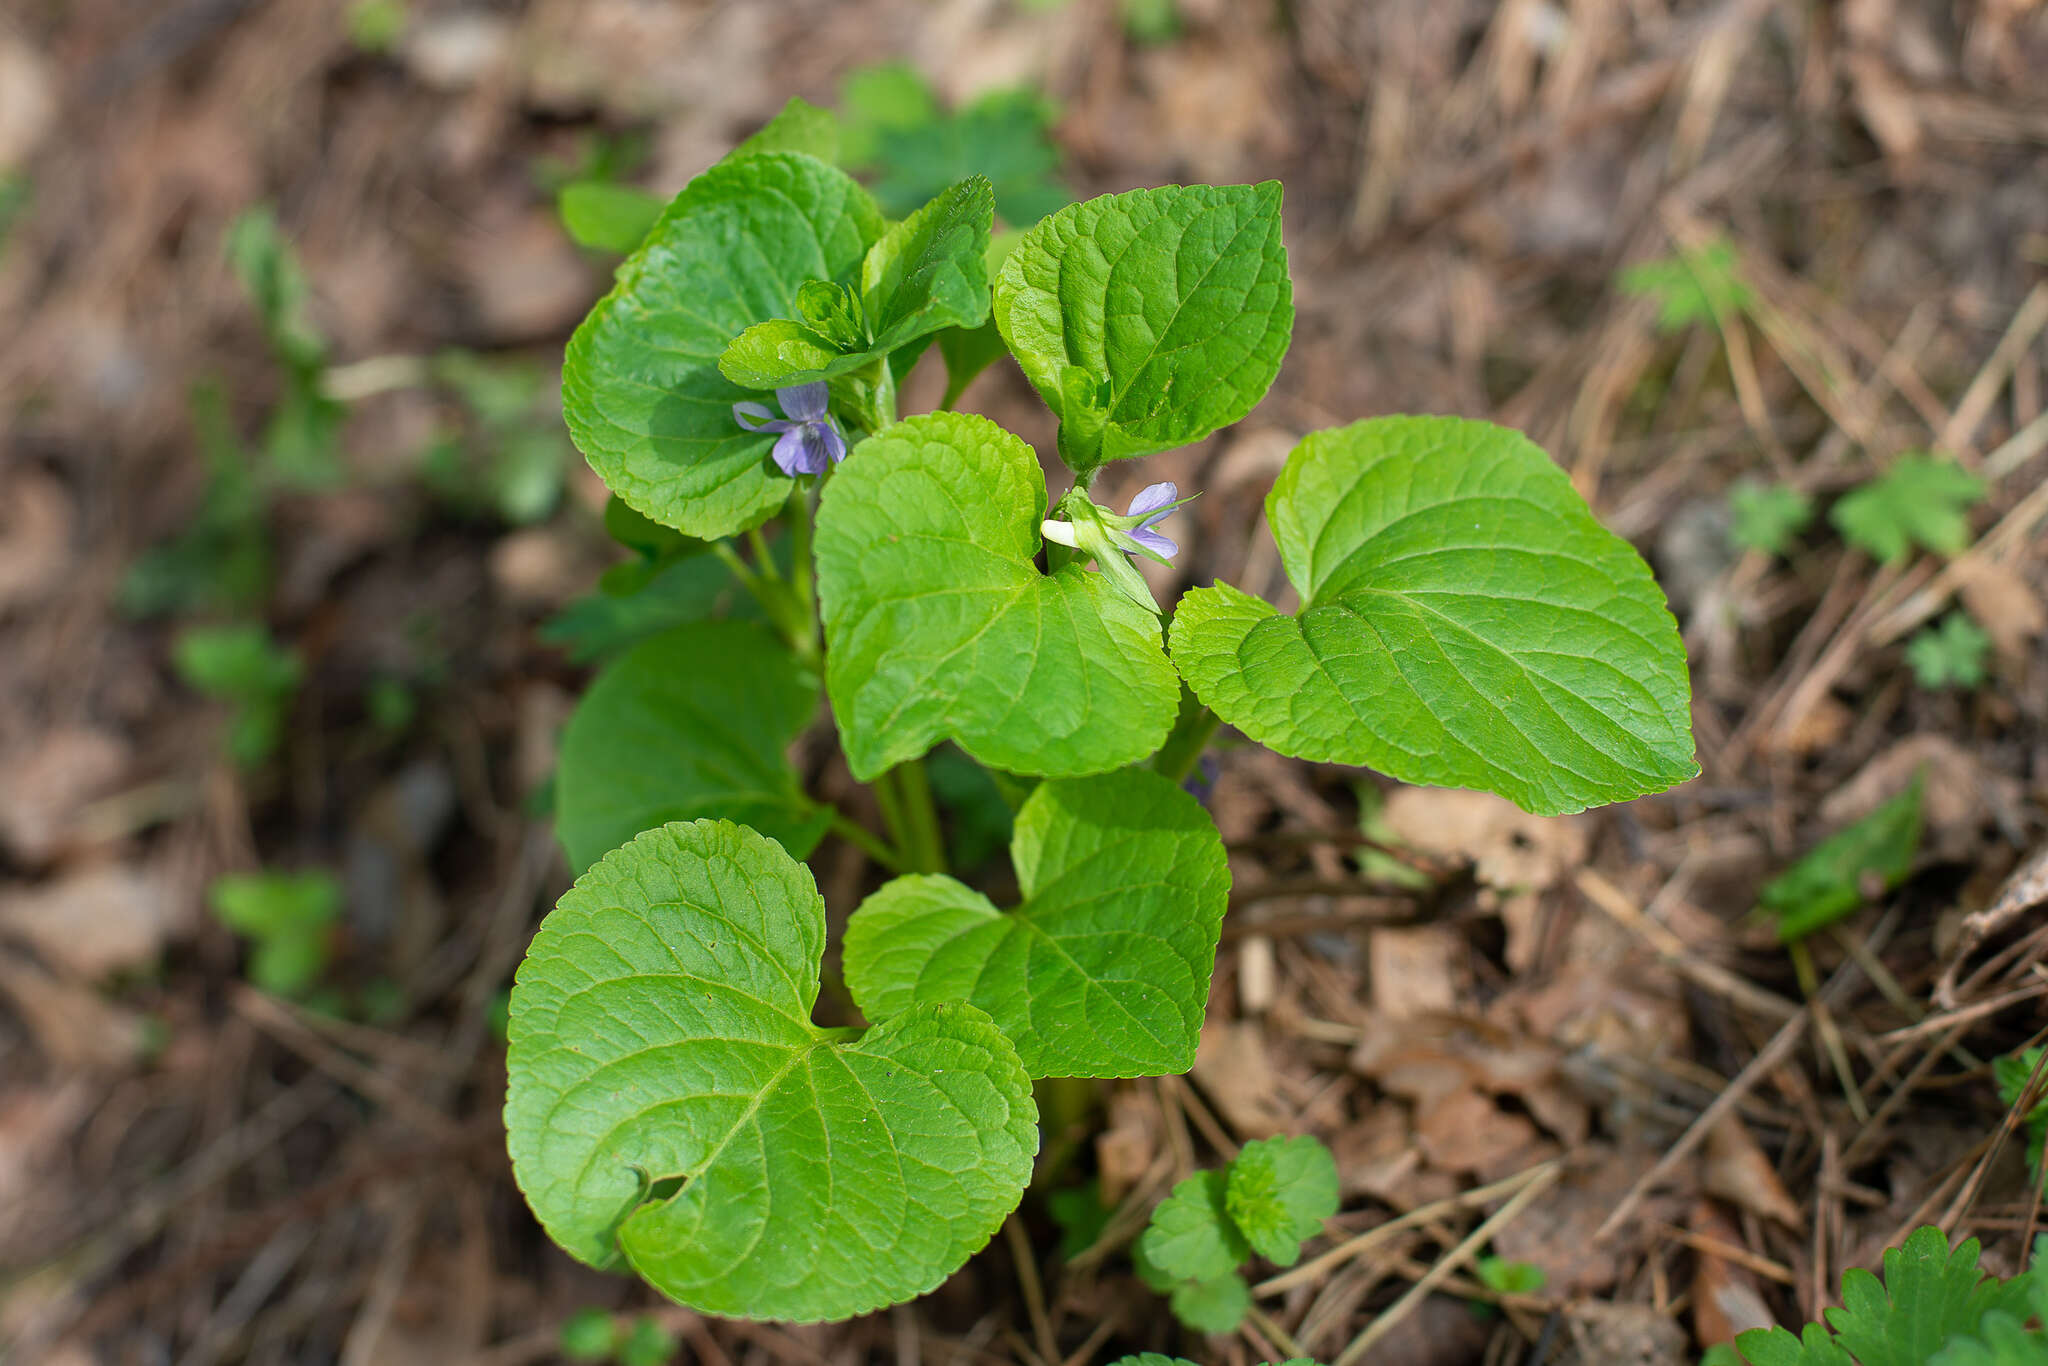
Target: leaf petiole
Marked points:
1192	730
863	839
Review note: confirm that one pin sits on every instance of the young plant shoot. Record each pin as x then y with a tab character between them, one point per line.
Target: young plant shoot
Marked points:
674	1108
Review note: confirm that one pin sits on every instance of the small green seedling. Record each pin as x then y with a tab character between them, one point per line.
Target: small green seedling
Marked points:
589	1334
506	458
1934	1307
1766	517
1695	286
1504	1277
17	192
375	26
2013	1073
1869	857
288	919
253	674
220	561
300	443
1950	655
1922	500
895	132
1275	1194
915	576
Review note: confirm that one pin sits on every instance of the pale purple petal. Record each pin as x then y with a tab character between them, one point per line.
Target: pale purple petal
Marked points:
799	452
805	402
1151	497
1152	540
764	418
835	444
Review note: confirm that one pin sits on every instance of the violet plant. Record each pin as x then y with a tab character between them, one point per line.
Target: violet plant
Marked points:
673	1106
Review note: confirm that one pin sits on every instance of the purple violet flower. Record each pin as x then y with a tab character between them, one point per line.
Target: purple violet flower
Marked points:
810	441
1157	500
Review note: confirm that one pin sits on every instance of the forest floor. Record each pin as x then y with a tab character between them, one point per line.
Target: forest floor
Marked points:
1574	1030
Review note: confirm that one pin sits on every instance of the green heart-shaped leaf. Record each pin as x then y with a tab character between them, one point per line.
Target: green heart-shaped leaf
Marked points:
670	1100
696	721
1467	623
939	626
641	390
1191	1236
924	274
1149	319
1103	971
1279	1192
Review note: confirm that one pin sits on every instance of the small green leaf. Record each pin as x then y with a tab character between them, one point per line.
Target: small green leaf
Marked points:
649	1344
895	128
1081	1216
1950	655
799	126
243	666
640	388
1279	1192
670	1101
269	270
1509	1278
588	1335
879	99
1216	1306
926	273
1930	1293
1103	971
1173	304
1766	517
288	916
1921	500
1191	1236
1830	881
693	722
1466	623
939	626
1698	286
607	217
2012	1073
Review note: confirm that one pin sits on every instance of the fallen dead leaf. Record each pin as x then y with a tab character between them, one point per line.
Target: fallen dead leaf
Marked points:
1415	971
1737	1170
49	781
2003	602
1511	851
72	1024
28	101
97	920
1624	1335
1234	1070
1725	1296
1426	1059
1125	1149
526	280
36	516
1466	1132
1961	796
34	1123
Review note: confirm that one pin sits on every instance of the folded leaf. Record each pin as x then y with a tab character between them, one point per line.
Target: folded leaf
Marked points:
1149	319
641	390
671	1102
1278	1193
924	274
1466	623
938	625
696	721
1103	971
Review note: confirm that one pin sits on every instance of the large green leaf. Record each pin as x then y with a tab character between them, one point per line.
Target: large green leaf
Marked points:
696	721
670	1101
939	626
641	390
1151	318
1103	971
926	273
1466	623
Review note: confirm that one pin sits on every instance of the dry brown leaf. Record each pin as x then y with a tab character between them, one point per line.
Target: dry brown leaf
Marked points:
97	920
1725	1296
1415	971
1556	1231
1510	850
70	1022
1125	1149
28	101
34	1123
1737	1170
1467	1132
526	279
1624	1335
1960	797
1426	1059
2002	602
49	781
36	515
1234	1069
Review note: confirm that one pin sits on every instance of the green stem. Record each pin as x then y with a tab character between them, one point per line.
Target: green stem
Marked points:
861	838
763	559
730	558
778	603
891	806
922	846
1191	733
802	574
